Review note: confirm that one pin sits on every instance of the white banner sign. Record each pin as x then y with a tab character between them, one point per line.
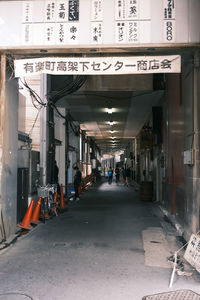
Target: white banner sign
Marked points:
98	65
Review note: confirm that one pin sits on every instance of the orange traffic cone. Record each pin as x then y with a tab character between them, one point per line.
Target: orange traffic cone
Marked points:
27	218
35	216
62	201
84	186
79	190
56	198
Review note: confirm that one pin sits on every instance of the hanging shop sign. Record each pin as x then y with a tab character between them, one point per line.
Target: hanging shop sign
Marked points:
146	140
98	65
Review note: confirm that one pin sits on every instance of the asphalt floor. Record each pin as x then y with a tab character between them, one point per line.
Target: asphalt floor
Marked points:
109	245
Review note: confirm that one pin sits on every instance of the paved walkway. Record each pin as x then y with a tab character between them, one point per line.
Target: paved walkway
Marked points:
109	246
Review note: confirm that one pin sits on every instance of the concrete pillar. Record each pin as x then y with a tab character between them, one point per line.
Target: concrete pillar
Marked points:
8	150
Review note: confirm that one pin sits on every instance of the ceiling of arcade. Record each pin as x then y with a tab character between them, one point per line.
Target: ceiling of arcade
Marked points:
131	98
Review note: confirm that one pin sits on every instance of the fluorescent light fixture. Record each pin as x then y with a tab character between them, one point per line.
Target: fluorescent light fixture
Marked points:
111	131
111	123
109	110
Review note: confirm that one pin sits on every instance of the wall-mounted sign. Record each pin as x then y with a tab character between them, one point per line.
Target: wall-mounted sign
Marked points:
169	20
96	33
98	65
74	10
83	23
57	23
96	10
96	21
132	18
192	253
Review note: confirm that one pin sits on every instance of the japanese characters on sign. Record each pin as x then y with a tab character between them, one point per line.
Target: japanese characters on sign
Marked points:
132	19
74	10
96	10
50	11
96	21
132	9
27	12
98	65
120	9
61	34
169	9
96	32
73	33
49	34
27	34
58	24
192	253
133	32
169	15
27	20
61	26
62	11
121	32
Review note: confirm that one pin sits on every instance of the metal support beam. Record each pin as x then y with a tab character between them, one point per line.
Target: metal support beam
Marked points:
43	133
2	109
66	151
51	148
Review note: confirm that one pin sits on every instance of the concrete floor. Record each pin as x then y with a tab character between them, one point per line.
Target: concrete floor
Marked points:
110	245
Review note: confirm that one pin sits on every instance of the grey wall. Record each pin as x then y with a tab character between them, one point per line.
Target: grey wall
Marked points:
10	145
191	78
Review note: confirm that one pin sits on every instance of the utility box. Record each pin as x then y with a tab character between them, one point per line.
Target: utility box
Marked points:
22	192
188	157
31	160
35	171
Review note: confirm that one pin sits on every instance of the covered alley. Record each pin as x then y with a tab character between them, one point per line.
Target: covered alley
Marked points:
91	89
109	245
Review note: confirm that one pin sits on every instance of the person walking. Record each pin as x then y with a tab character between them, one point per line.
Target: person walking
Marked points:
110	175
117	173
56	172
128	174
124	176
77	182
